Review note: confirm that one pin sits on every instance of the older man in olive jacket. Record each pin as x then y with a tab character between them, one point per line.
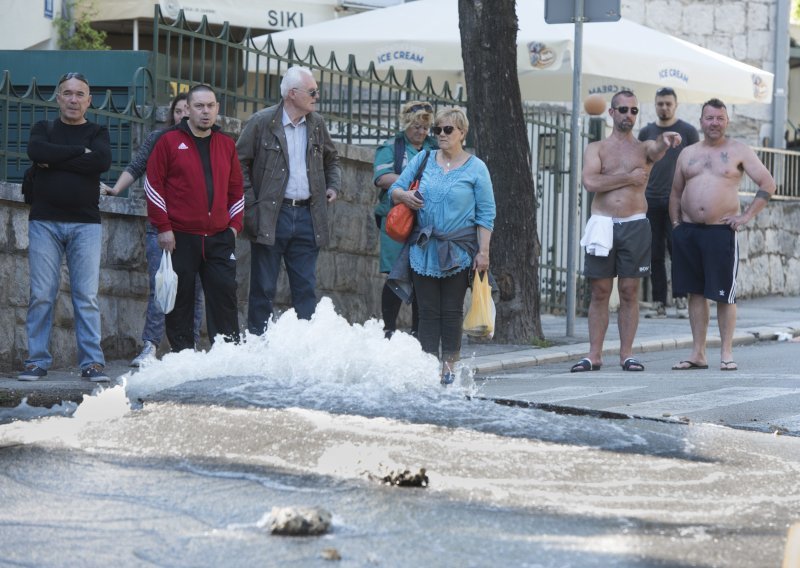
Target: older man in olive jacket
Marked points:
291	173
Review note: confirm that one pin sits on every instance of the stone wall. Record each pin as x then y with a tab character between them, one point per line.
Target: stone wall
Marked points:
347	270
743	30
769	250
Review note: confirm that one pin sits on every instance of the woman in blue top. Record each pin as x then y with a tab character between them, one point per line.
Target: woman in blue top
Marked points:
455	218
390	160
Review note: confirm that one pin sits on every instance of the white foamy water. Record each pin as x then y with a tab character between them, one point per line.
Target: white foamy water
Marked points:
326	351
313	411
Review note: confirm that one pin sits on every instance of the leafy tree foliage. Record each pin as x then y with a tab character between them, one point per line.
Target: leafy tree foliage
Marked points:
75	31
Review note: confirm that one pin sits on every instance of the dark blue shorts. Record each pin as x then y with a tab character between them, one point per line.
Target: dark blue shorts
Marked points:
705	260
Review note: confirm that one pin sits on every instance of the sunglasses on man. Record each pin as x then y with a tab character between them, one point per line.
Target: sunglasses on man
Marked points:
310	92
624	110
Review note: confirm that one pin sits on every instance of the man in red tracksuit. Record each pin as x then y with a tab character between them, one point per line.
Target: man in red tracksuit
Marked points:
195	201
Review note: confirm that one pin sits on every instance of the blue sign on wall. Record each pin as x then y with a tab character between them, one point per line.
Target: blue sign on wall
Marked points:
48	9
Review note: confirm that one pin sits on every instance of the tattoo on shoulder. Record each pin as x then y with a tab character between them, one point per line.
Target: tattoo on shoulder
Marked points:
765	195
724	157
692	161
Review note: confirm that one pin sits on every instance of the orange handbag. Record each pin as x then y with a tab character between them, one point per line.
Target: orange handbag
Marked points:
400	220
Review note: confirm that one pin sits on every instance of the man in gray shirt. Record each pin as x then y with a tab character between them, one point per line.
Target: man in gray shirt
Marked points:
657	193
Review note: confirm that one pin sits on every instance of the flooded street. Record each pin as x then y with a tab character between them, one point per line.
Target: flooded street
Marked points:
314	412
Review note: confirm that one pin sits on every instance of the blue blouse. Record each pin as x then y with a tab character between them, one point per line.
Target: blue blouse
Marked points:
462	197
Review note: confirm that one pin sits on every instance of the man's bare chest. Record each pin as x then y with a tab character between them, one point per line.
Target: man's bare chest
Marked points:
716	163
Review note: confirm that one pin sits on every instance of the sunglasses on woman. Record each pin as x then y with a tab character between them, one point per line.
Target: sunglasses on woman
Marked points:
448	130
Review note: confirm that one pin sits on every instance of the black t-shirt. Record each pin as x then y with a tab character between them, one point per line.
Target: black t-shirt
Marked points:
68	189
659	185
204	148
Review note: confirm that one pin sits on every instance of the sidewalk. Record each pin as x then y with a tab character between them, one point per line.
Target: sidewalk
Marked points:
758	319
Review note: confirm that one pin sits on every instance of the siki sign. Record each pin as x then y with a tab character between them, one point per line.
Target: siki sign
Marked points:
284	19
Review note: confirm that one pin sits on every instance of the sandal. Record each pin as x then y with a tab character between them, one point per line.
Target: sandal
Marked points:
584	365
728	366
688	366
632	364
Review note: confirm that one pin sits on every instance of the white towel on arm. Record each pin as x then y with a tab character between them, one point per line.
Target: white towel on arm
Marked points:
598	237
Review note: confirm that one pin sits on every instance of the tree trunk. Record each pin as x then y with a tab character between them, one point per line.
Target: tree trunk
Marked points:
489	50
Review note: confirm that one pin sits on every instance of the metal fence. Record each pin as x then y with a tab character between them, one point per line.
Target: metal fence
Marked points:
126	126
361	107
784	165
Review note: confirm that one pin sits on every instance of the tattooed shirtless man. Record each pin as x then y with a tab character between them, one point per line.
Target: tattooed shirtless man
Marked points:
705	214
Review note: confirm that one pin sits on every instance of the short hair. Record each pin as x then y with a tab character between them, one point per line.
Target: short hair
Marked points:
456	115
415	111
178	98
715	103
198	89
293	79
623	93
667	92
72	75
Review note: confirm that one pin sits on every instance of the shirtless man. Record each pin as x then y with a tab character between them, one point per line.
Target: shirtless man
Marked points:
615	170
704	210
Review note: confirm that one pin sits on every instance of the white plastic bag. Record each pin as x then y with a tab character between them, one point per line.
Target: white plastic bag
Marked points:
166	284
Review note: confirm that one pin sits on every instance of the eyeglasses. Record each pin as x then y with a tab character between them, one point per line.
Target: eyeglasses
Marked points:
311	92
425	106
624	110
448	130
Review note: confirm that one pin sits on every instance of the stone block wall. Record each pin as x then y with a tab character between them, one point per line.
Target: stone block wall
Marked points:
347	270
743	30
769	251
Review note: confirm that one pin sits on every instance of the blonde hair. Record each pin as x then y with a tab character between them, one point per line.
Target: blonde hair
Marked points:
456	116
415	111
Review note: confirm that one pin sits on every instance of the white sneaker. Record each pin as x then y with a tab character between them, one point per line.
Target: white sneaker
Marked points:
148	354
681	308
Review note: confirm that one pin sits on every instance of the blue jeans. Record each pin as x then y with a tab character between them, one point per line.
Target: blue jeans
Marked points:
154	318
50	241
295	244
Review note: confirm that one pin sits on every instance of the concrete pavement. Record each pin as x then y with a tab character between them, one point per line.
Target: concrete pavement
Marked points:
539	376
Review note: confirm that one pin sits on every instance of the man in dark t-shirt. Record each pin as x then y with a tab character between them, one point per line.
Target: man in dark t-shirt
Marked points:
657	193
70	154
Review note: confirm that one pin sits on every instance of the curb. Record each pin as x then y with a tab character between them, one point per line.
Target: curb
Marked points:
535	357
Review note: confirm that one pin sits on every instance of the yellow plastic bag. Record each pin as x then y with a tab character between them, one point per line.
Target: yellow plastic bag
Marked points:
479	321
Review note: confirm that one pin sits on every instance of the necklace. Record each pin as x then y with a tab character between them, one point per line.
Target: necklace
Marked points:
454	160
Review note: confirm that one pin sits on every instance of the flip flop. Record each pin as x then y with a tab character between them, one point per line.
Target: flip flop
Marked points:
690	366
725	366
632	364
584	365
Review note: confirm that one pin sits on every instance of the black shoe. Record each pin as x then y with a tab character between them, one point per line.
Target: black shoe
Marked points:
94	373
388	333
32	372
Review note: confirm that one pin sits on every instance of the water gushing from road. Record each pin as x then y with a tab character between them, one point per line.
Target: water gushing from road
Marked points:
312	412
